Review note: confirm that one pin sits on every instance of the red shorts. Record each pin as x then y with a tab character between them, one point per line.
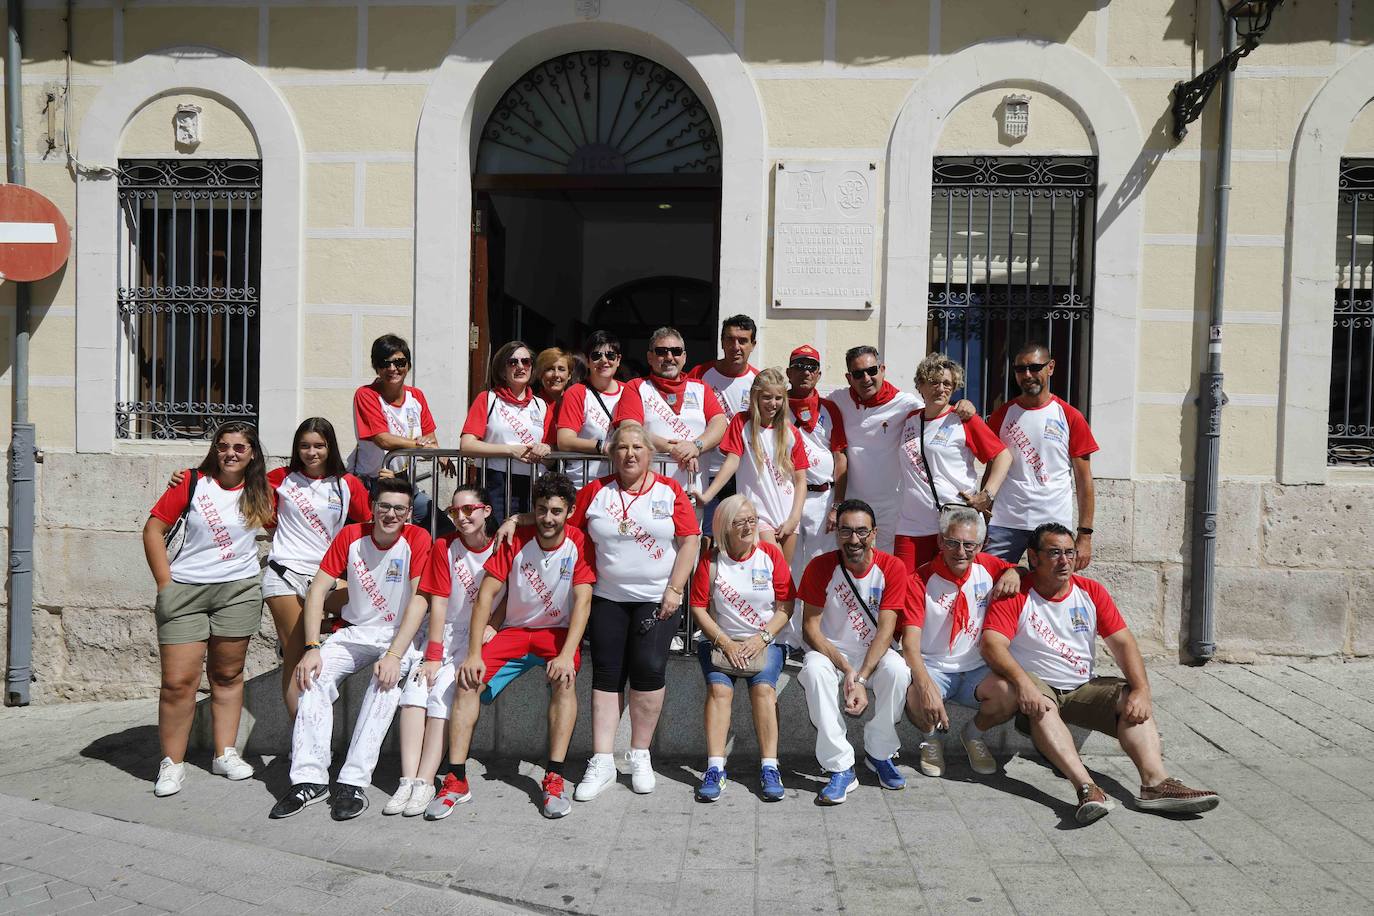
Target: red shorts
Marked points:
515	650
916	550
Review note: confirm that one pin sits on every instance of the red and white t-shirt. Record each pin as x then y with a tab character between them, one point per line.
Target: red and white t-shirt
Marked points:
219	545
378	577
498	420
372	414
824	438
874	450
588	414
455	572
311	511
634	565
843	620
686	421
1054	637
540	582
746	592
733	393
930	605
1043	443
768	487
951	446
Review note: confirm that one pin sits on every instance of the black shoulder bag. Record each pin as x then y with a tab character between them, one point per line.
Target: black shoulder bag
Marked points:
175	537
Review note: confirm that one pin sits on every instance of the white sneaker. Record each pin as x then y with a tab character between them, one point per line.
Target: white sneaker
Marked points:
420	797
401	797
600	773
169	777
642	777
230	764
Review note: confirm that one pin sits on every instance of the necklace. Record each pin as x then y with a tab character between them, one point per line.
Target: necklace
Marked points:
624	526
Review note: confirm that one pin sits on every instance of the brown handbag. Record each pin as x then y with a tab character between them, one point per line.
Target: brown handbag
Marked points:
719	660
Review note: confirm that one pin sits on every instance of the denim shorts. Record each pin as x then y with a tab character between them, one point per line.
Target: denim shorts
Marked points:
773	658
959	686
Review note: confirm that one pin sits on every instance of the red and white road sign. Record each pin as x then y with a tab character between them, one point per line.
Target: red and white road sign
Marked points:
34	238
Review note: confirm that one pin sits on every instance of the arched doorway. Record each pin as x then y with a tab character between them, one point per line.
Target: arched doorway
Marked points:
596	170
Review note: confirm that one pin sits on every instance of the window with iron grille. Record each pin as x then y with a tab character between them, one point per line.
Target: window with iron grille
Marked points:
1350	423
189	265
1011	261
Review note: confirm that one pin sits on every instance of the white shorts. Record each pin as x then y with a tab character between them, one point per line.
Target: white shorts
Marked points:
275	585
436	700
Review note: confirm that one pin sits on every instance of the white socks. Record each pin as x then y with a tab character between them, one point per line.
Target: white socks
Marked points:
718	762
769	762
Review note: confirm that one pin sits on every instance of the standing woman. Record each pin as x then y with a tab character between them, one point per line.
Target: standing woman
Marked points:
584	416
508	421
553	371
209	595
766	450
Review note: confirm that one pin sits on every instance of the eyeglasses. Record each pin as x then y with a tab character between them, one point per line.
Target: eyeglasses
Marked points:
942	383
1054	553
391	509
396	362
669	351
238	448
847	533
469	509
961	546
609	356
1032	368
804	365
744	524
523	361
871	372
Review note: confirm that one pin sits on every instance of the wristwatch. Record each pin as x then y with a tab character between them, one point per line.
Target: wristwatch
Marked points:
766	637
697	443
1084	530
861	680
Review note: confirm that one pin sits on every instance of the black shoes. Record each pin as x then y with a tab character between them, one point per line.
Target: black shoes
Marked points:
301	795
348	802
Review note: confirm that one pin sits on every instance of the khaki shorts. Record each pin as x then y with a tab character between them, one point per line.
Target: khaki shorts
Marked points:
193	613
1090	705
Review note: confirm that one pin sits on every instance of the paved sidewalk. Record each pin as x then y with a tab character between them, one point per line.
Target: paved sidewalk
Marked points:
1290	747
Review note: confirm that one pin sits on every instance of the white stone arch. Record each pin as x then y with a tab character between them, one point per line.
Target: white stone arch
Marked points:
1310	280
1078	82
242	88
482	64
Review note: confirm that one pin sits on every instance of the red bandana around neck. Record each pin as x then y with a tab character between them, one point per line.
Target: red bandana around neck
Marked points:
671	389
887	392
959	613
505	394
806	411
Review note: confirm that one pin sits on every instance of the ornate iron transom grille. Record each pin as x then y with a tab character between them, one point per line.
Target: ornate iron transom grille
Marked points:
1011	261
190	245
599	113
1350	424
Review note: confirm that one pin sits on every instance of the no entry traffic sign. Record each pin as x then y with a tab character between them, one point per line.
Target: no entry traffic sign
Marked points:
34	239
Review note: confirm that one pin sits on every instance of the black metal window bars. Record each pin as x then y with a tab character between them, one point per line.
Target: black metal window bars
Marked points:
1350	423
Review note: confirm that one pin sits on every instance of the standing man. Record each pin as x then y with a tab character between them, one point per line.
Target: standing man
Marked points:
730	377
683	416
1050	445
852	599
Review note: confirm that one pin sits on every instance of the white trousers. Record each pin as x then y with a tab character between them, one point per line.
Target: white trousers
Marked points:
812	541
345	652
822	681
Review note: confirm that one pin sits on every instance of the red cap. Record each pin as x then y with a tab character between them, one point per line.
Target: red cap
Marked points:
805	351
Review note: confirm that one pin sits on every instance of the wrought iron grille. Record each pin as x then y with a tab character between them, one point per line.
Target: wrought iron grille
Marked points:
1350	423
1011	260
599	113
190	252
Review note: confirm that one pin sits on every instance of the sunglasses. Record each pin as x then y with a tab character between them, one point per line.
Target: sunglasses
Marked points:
238	448
871	372
609	356
1032	368
469	509
669	351
523	361
398	362
803	365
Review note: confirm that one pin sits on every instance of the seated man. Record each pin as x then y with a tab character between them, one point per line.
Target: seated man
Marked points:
548	576
1040	644
945	605
852	597
383	561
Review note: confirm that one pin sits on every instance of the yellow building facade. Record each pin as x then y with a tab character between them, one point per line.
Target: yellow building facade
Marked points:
367	122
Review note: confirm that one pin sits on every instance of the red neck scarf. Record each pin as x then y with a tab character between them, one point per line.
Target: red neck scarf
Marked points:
887	392
671	389
505	394
806	411
959	613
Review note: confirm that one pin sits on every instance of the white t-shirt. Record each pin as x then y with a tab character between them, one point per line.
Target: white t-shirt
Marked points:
745	594
378	578
498	420
633	565
218	545
588	414
951	445
373	414
1054	637
733	394
823	439
644	403
930	604
540	582
1043	443
311	511
767	487
843	620
874	437
452	564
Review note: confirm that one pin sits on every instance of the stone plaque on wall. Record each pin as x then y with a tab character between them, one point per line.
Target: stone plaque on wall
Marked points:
824	231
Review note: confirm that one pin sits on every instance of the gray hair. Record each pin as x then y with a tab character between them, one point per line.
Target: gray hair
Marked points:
854	353
963	515
933	366
628	428
664	333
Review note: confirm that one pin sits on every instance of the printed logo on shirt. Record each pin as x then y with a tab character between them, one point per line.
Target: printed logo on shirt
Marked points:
690	399
1078	620
875	595
565	569
980	593
393	570
413	420
335	499
1056	430
760	577
942	435
661	508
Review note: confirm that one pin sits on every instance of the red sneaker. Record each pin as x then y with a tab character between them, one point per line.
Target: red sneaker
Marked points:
453	792
556	801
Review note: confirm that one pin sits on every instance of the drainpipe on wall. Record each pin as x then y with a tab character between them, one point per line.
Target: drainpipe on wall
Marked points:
19	667
1202	607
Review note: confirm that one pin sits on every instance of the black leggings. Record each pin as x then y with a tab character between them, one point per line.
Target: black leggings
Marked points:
620	654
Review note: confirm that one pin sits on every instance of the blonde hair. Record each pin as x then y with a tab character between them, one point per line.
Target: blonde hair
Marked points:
782	425
548	357
723	522
626	428
930	368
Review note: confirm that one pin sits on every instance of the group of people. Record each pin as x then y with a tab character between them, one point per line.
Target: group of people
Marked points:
853	532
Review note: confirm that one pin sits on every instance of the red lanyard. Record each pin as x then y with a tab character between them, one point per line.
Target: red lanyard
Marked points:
625	508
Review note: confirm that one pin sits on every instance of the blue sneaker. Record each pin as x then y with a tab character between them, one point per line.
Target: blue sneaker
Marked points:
772	784
712	784
888	775
839	787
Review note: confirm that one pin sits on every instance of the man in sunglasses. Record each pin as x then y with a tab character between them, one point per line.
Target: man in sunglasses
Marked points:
730	377
1051	446
683	415
1040	644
